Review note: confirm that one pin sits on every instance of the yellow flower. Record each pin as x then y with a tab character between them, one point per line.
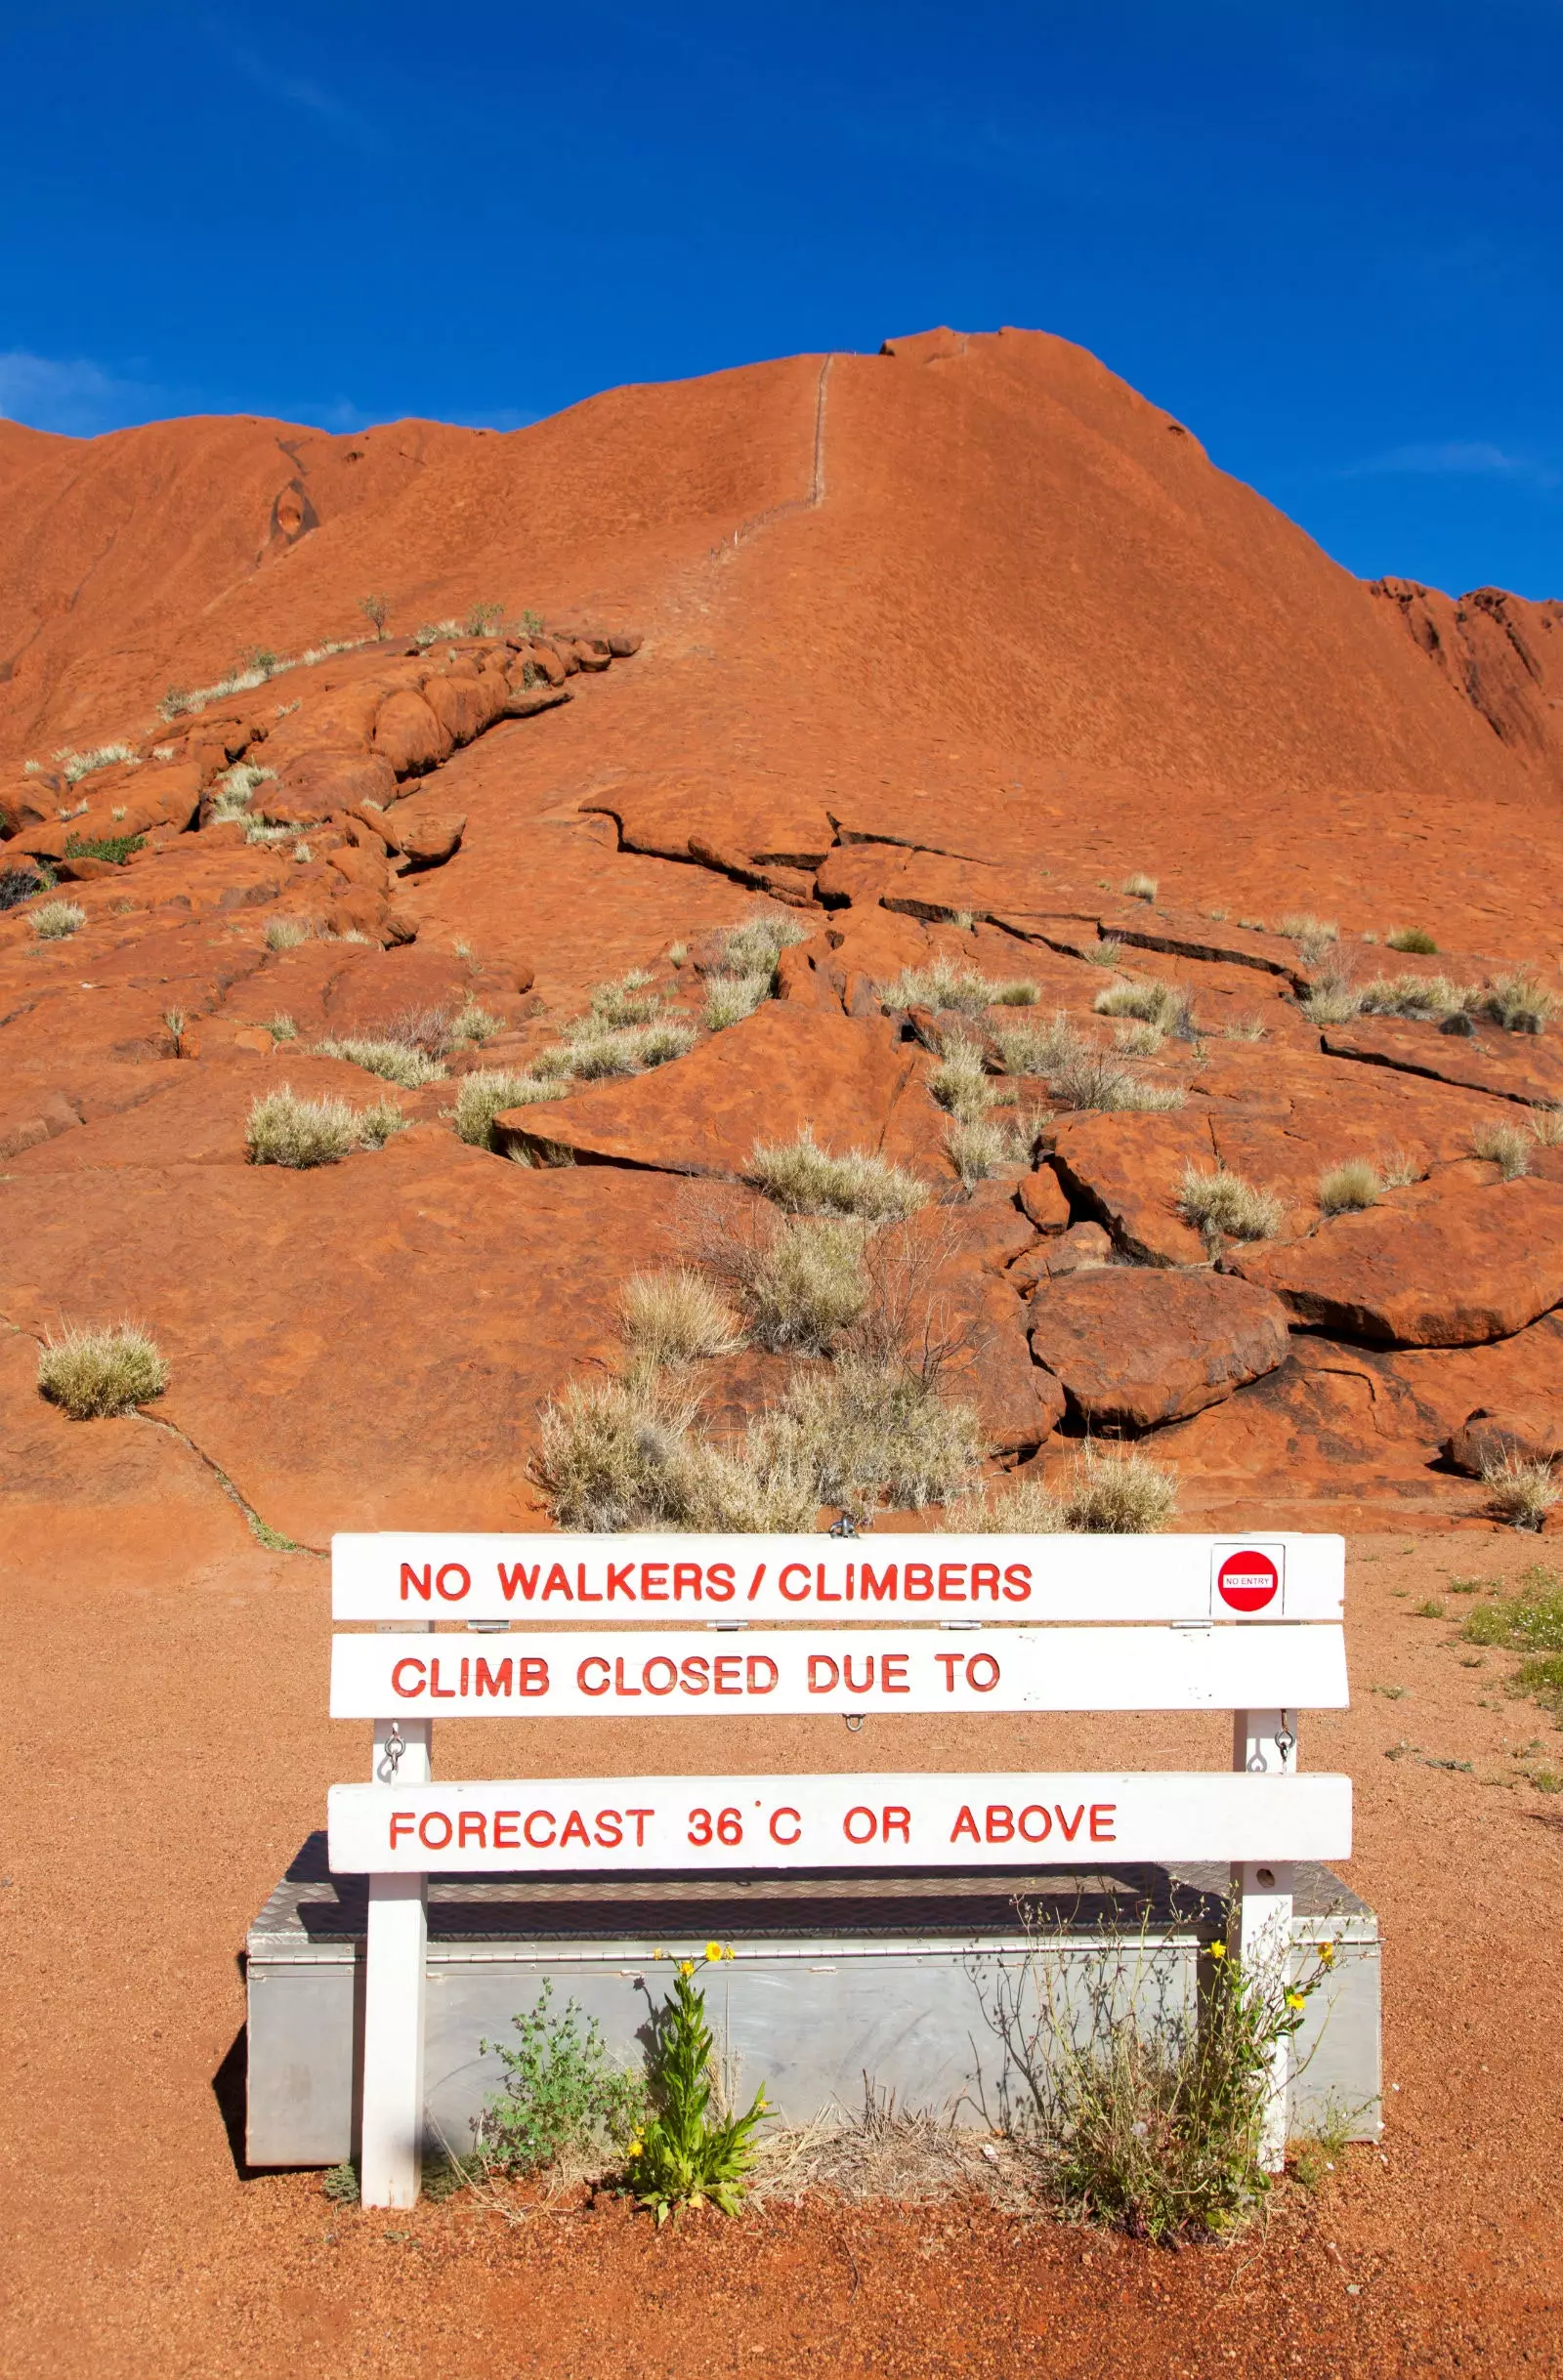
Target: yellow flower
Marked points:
1218	1949
1326	1954
686	1966
658	1955
713	1952
1295	1999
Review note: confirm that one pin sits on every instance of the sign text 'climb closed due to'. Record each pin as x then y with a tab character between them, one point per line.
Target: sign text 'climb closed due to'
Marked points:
619	1673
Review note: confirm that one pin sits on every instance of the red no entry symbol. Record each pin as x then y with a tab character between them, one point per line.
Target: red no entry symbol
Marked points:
1247	1581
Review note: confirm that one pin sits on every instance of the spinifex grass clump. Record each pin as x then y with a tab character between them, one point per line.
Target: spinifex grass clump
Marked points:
95	1374
298	1133
963	988
1519	1493
804	1178
684	2155
1143	2116
1225	1203
396	1061
564	2101
486	1092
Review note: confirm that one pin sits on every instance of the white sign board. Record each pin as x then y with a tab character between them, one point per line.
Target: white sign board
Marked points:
566	1825
578	1581
622	1673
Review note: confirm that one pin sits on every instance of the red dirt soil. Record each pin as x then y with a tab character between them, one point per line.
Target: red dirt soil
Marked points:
925	651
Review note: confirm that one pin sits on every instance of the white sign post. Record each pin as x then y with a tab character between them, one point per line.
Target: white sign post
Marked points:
574	1627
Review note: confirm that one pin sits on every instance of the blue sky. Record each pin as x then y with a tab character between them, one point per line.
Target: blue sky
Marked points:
1328	236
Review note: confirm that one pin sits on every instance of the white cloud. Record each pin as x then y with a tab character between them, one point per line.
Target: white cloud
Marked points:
1456	458
78	396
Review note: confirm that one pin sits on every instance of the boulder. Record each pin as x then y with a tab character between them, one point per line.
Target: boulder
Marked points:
547	664
624	642
360	868
1018	1403
314	783
465	706
1042	1196
1476	1262
409	735
1134	1346
428	840
1499	1438
526	701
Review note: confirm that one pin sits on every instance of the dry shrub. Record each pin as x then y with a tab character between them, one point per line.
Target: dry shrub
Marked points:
627	1001
1166	1006
1137	1040
1425	999
977	1149
1413	939
729	999
959	1081
1037	1049
1333	998
675	1317
799	1284
486	1093
55	919
1139	886
95	1374
394	1061
872	1432
1245	1029
618	1454
285	932
910	2157
286	1130
804	1178
1104	953
1225	1203
1519	1493
1546	1124
755	945
1115	1493
1313	936
1518	1003
1504	1145
944	985
594	1053
1093	1079
1014	1508
1346	1189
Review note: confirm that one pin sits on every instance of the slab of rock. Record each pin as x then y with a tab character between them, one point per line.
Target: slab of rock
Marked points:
1134	1347
1018	1402
1478	1261
784	1069
1125	1170
1506	1065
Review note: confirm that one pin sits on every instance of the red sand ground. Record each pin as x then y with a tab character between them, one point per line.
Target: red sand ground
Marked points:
976	597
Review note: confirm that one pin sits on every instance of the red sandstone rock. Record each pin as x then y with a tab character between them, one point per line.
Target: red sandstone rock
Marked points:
1512	1066
1043	1197
427	840
1135	1346
1125	1170
1476	1263
780	1072
409	735
1083	1248
1484	1438
321	780
465	706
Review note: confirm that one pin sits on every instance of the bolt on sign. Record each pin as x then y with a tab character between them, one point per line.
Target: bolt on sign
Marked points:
582	1627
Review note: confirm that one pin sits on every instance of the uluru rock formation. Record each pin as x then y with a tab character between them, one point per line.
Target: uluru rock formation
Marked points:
1086	800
